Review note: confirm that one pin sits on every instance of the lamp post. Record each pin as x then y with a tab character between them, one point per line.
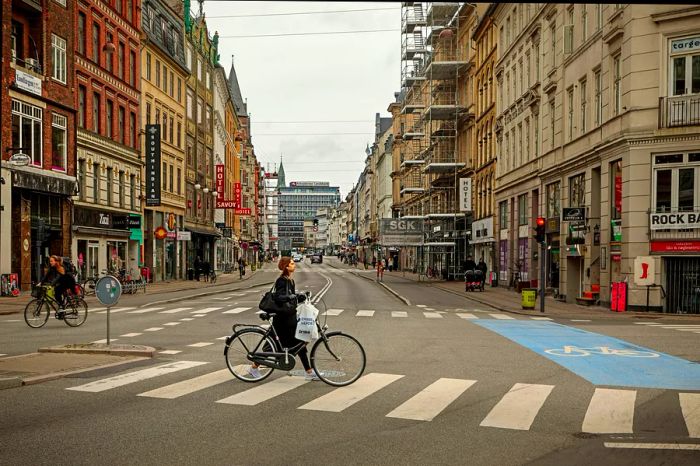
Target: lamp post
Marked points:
18	160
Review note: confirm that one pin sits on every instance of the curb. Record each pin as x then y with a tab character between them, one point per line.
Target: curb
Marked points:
386	287
10	382
138	350
59	375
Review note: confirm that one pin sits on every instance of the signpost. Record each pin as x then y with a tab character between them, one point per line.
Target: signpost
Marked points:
108	290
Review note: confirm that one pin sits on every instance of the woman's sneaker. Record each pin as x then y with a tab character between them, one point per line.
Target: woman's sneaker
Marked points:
311	376
254	372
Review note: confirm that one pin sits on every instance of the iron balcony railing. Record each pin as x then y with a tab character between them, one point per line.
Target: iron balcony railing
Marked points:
682	110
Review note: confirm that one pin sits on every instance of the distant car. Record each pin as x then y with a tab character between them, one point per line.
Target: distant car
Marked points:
317	258
297	257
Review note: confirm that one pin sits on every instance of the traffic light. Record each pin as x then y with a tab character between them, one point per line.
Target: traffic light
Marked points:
539	230
315	222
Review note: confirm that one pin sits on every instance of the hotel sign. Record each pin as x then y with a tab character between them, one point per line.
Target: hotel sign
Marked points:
465	194
674	220
152	165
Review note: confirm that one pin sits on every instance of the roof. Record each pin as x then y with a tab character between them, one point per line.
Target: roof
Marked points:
238	104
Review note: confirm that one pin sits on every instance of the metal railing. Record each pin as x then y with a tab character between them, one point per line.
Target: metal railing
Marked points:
682	110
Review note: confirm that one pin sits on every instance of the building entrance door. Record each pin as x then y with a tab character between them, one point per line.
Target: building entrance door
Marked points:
683	285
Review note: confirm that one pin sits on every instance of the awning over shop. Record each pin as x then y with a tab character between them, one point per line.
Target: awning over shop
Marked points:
203	230
102	232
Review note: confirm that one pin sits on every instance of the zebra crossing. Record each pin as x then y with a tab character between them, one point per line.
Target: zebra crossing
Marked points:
609	411
692	328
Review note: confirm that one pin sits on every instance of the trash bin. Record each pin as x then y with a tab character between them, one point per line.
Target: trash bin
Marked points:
190	274
529	297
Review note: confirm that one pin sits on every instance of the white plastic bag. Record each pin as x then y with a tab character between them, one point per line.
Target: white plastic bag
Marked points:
306	322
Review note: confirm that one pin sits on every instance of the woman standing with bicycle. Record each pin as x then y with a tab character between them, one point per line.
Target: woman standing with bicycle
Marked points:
285	321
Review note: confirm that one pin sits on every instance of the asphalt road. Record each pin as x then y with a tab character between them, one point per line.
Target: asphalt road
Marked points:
484	395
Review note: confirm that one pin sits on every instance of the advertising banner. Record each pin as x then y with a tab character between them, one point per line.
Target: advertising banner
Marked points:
152	165
400	232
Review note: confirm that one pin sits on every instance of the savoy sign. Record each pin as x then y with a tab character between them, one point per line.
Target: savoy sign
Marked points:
674	220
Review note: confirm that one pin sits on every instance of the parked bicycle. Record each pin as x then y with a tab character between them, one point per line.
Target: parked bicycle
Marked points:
38	310
338	358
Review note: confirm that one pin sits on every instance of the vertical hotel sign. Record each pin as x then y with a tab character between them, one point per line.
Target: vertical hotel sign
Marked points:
152	165
220	196
465	194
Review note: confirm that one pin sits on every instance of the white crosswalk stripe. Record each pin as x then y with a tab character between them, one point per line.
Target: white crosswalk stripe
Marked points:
432	400
501	317
175	311
171	324
116	309
186	387
206	310
432	315
541	318
265	392
364	313
236	310
186	319
104	341
170	352
130	377
224	298
201	344
344	397
610	412
466	315
399	314
129	335
518	408
332	312
690	406
145	310
153	329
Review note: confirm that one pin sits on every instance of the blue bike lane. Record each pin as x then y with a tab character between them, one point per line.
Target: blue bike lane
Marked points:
600	359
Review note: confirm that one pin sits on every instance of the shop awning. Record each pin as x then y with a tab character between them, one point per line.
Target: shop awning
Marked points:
102	232
203	230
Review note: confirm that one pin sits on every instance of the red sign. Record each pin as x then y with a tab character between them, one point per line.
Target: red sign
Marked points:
221	204
618	192
618	298
219	183
245	211
160	233
237	194
244	246
675	246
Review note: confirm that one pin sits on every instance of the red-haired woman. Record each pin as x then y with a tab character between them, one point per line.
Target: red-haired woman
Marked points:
59	279
285	322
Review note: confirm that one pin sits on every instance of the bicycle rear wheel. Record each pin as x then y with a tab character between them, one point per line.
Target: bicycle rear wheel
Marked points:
338	360
76	312
36	313
89	287
236	351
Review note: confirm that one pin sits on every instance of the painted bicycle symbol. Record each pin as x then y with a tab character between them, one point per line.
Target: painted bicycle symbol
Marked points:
575	351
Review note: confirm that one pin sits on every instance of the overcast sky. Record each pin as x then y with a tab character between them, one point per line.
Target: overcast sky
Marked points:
311	78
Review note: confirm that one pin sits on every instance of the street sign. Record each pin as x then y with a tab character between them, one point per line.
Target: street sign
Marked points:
108	290
573	214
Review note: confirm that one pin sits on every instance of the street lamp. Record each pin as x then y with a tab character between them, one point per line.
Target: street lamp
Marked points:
19	159
197	186
205	190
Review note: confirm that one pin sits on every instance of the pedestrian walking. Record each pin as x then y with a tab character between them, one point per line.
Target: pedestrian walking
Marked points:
241	267
483	268
380	271
374	262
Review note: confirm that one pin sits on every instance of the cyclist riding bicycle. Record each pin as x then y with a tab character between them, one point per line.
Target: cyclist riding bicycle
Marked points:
57	277
285	320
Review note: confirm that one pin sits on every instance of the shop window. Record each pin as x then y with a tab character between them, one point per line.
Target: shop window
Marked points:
59	141
26	130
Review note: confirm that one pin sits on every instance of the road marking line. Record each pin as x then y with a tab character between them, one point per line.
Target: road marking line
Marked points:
104	341
690	406
145	310
683	329
201	344
694	327
136	376
432	315
237	294
610	412
135	334
364	314
421	305
654	446
206	310
332	312
222	338
186	319
153	329
176	310
170	351
580	320
97	309
172	323
519	407
199	315
399	314
116	309
466	315
225	298
265	392
186	387
3	354
541	318
501	317
432	400
13	320
428	308
236	310
344	397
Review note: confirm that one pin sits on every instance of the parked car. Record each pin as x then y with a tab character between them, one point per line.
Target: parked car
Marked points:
317	258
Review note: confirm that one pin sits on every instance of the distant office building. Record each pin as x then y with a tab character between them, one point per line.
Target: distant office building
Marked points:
299	201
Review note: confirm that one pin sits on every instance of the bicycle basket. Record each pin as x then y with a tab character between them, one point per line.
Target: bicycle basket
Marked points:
39	291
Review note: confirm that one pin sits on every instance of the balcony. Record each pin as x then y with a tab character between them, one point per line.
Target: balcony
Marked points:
677	111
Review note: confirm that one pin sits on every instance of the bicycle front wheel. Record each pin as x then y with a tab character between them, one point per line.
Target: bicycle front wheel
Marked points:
76	313
36	313
339	359
239	346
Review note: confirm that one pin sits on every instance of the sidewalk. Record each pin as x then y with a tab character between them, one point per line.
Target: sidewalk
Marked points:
504	299
10	305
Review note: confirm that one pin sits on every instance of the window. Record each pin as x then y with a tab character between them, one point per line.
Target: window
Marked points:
96	182
120	122
81	32
685	71
81	179
553	49
577	191
200	110
537	62
503	214
165	78
569	31
522	209
172	170
165	126
172	84
96	112
616	190
157	121
599	16
179	89
675	186
598	97
109	112
570	120
96	43
110	185
179	180
121	189
158	74
617	88
129	11
172	129
148	113
132	129
208	83
109	59
132	191
165	176
527	140
190	104
507	32
58	68
208	121
584	22
81	106
552	109
59	141
553	200
132	68
527	69
199	69
583	93
188	57
118	6
148	66
179	134
121	61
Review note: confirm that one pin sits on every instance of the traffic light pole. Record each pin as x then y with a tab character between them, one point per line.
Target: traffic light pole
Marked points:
543	267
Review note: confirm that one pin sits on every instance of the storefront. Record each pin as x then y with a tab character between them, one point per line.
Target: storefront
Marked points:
681	274
202	245
484	244
163	253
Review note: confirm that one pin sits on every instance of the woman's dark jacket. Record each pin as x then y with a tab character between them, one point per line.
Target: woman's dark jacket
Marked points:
54	278
285	320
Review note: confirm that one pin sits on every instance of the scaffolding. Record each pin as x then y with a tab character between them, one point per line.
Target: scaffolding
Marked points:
432	63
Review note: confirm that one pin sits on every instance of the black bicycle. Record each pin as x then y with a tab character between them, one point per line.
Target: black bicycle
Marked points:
338	358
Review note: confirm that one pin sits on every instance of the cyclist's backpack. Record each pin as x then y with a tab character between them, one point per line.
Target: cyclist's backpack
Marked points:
68	266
